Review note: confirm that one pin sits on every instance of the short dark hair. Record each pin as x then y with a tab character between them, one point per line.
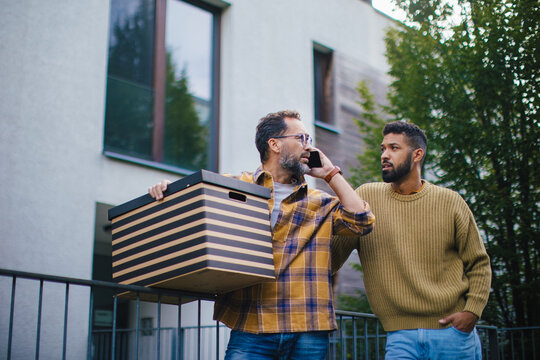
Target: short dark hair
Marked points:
416	138
269	126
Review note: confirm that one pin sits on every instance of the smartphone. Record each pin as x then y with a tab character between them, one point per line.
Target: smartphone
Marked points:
314	159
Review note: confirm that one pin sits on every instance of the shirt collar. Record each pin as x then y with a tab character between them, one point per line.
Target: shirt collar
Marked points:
260	175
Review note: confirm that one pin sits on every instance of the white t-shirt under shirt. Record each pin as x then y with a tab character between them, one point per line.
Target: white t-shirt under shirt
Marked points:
281	191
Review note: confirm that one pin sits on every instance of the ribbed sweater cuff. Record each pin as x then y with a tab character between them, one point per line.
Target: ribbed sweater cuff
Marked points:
475	307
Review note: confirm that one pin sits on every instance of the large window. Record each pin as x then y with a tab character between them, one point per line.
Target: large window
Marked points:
162	84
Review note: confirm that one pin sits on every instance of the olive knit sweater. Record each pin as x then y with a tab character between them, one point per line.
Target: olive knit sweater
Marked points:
424	259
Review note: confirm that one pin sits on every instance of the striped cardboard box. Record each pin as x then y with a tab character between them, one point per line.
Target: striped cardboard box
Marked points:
210	234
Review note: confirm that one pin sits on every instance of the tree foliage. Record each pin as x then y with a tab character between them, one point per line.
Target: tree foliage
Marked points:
472	82
371	126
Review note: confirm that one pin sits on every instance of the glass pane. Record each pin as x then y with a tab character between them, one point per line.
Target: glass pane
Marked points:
188	98
129	107
128	119
320	69
131	40
322	78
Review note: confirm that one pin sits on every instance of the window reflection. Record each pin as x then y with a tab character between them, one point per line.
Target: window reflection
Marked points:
188	93
179	134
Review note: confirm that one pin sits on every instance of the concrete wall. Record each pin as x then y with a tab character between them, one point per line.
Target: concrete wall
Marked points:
53	67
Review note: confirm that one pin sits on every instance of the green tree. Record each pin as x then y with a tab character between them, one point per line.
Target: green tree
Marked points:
371	125
472	82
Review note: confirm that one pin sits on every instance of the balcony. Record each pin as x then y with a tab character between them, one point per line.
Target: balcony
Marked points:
360	336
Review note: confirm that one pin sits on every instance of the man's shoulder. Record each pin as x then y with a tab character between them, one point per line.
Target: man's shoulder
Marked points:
244	176
448	196
444	191
373	186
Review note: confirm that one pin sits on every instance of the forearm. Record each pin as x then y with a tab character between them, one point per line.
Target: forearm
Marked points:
479	287
346	194
476	263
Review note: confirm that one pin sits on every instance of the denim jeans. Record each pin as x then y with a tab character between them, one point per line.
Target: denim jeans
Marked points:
441	344
311	345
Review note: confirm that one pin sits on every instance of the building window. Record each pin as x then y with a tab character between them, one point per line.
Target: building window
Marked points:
322	78
161	86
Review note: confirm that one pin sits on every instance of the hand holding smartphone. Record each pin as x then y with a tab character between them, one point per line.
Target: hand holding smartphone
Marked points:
314	159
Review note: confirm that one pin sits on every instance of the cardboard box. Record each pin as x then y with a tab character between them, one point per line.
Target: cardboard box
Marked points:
210	234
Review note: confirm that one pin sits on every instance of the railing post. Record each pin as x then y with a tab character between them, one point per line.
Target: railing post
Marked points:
11	312
366	339
355	339
179	330
137	314
38	330
493	344
66	308
522	344
533	345
377	345
113	340
158	350
199	330
90	325
217	340
343	343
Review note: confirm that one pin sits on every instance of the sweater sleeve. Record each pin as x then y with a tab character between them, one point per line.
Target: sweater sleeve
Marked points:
341	248
475	260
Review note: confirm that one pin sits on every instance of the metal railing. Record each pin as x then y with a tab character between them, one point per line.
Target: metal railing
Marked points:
360	335
114	344
147	346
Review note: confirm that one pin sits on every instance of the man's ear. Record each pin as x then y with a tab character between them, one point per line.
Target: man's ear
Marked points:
274	145
418	155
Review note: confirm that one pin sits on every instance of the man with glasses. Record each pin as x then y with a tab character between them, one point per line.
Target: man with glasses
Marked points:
291	317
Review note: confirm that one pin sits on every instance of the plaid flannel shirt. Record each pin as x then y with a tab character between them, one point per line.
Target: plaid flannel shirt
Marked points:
301	297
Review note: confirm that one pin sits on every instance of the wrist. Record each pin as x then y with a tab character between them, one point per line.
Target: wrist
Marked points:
332	173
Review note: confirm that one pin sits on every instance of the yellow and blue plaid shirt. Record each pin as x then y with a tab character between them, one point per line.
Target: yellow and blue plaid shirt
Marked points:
301	297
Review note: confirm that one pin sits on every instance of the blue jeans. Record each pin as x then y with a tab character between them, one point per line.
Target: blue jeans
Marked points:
440	344
311	345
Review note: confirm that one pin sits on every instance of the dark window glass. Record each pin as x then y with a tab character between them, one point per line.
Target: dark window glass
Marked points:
160	85
323	97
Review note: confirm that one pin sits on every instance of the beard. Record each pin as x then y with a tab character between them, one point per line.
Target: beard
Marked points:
398	173
292	164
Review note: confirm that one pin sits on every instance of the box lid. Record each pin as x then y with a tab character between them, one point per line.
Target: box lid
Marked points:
204	176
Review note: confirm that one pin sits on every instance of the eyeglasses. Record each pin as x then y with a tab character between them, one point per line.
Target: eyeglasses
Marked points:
304	138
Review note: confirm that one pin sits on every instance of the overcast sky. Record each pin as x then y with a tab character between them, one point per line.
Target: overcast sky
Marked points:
387	7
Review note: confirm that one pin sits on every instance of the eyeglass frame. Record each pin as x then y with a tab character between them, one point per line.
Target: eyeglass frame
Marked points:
304	138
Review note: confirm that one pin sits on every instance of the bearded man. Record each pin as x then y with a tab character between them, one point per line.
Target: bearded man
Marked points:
426	271
292	316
